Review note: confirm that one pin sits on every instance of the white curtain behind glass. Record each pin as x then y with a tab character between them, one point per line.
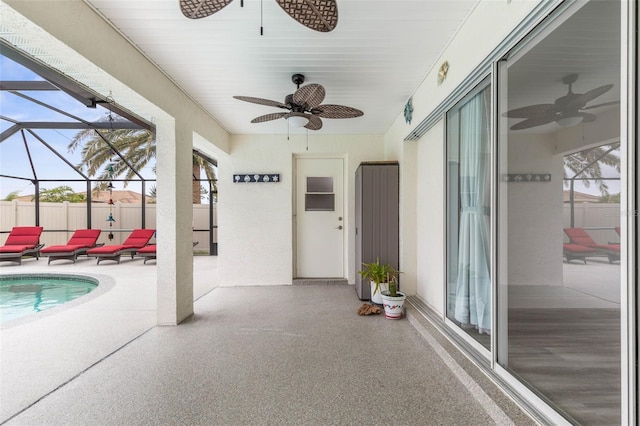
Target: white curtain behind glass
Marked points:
473	284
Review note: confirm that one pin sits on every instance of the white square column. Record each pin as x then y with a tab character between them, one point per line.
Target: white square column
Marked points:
174	151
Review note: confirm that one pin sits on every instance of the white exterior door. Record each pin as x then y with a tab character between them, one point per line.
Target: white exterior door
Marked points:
319	218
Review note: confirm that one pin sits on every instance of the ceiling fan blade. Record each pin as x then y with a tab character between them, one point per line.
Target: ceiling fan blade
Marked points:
603	104
531	111
336	111
261	101
592	94
319	15
309	96
534	122
314	123
269	117
196	9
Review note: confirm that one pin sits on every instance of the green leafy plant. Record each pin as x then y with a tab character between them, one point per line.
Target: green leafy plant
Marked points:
378	273
60	194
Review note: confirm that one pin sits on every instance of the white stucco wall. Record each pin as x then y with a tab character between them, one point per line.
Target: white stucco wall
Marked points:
535	215
255	220
431	218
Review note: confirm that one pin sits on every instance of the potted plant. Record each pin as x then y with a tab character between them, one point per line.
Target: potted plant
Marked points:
393	300
379	275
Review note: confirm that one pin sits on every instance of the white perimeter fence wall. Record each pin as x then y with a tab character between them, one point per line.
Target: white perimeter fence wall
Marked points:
72	216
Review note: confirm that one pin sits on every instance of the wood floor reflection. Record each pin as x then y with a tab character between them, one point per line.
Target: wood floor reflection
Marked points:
572	357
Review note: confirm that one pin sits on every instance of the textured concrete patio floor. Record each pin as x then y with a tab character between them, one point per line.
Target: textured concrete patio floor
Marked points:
250	355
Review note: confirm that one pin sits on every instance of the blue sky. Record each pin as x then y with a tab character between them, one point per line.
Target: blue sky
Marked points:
13	156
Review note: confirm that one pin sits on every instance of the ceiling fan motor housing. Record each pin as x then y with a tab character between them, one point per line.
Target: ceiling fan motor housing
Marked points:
297	79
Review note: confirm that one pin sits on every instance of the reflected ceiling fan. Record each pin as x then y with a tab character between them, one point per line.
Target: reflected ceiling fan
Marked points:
319	15
304	108
567	110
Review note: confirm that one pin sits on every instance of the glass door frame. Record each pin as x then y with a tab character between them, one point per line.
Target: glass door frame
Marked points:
630	116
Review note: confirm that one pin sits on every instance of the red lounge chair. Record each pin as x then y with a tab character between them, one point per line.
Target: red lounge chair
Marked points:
580	237
148	252
22	241
81	241
138	239
576	251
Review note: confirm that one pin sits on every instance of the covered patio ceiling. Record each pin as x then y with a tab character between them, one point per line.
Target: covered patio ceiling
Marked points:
374	60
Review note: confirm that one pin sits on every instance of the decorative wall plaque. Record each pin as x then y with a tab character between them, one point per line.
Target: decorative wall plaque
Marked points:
408	111
256	178
442	72
528	177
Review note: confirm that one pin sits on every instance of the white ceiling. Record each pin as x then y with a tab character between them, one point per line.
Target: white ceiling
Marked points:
375	59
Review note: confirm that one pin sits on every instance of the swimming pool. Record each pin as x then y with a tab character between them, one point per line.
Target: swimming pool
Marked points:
25	294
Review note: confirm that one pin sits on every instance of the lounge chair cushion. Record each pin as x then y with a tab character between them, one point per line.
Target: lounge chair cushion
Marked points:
577	249
24	236
15	249
82	238
85	237
579	236
138	238
150	249
62	249
107	250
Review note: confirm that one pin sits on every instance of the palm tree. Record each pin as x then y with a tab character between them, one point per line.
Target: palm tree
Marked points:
200	164
138	146
587	164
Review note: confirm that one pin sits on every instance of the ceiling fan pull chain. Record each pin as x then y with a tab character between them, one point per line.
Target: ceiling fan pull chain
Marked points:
261	28
307	139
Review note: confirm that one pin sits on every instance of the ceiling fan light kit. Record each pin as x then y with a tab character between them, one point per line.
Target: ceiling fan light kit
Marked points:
297	120
304	105
569	121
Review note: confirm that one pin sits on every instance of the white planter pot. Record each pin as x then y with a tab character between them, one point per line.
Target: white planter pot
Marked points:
377	297
393	305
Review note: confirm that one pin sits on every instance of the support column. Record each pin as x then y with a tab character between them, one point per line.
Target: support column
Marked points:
174	151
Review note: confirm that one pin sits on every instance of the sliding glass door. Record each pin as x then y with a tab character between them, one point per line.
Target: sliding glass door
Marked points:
559	245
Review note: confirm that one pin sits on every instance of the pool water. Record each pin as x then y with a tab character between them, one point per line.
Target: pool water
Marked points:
22	295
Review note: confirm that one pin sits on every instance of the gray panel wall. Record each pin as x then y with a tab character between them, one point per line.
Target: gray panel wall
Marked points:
377	218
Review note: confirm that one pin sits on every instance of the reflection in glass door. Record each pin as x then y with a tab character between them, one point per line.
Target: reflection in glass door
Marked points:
468	200
559	245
